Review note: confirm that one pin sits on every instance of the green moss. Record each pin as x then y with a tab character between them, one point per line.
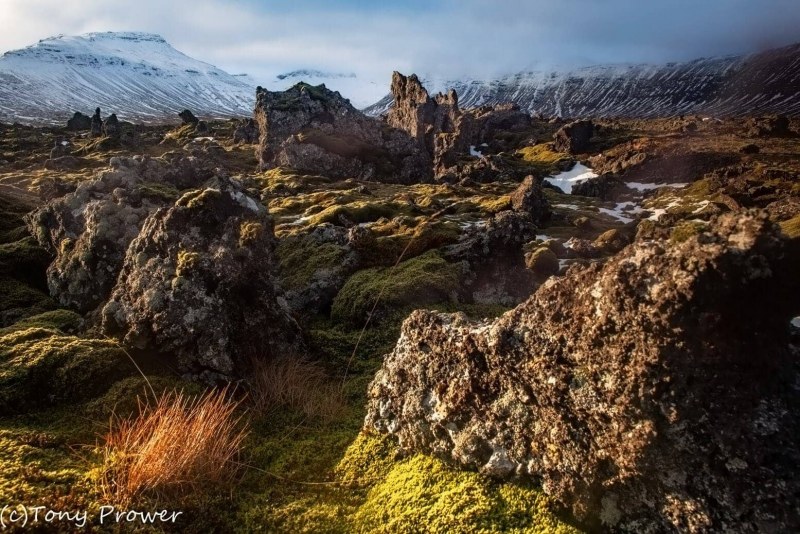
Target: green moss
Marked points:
198	197
21	257
21	300
41	366
64	320
159	191
542	158
422	494
367	461
357	212
684	230
422	280
38	469
124	397
301	258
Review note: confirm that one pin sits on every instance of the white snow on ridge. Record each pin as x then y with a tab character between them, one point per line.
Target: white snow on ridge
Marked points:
139	76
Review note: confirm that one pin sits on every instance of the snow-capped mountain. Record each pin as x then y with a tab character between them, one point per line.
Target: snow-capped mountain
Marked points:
767	82
139	76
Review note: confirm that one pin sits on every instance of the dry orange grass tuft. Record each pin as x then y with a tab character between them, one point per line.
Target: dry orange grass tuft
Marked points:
179	446
296	383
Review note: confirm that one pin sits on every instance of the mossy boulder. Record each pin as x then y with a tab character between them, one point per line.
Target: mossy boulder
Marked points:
543	262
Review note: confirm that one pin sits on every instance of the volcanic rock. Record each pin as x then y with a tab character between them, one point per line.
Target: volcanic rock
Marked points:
574	137
437	124
655	393
111	127
97	124
197	283
79	121
188	117
313	129
529	198
90	229
60	148
493	251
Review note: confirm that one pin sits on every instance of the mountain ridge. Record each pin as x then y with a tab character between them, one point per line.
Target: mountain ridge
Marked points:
137	75
759	83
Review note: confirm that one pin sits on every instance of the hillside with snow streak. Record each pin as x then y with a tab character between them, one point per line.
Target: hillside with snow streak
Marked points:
139	76
763	83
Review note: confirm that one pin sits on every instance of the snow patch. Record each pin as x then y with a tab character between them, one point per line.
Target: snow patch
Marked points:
567	179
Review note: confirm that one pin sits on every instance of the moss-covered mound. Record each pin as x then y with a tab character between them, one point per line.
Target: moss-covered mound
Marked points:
426	279
42	366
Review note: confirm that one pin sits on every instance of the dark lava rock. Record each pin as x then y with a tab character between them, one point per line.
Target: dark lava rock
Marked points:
64	163
574	137
111	127
197	282
188	117
315	130
529	198
751	148
79	122
493	252
61	147
97	124
770	126
655	393
605	187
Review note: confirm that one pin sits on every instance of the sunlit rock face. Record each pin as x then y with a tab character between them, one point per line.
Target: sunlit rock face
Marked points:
653	393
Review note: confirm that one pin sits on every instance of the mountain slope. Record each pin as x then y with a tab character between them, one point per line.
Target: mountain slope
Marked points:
767	82
139	76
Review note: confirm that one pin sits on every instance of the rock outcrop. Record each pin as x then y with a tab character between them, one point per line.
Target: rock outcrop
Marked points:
770	126
313	129
79	122
529	198
96	126
493	251
90	229
197	283
111	127
655	393
187	117
437	124
574	137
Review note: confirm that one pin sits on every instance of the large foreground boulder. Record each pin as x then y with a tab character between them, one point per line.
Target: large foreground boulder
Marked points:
90	229
656	393
315	130
197	282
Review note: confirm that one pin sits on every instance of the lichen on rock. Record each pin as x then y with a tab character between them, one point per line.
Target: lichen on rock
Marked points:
198	282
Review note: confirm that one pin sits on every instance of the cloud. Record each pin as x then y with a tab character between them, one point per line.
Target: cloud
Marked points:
447	38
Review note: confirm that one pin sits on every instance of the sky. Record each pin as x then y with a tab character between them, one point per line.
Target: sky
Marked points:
444	39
